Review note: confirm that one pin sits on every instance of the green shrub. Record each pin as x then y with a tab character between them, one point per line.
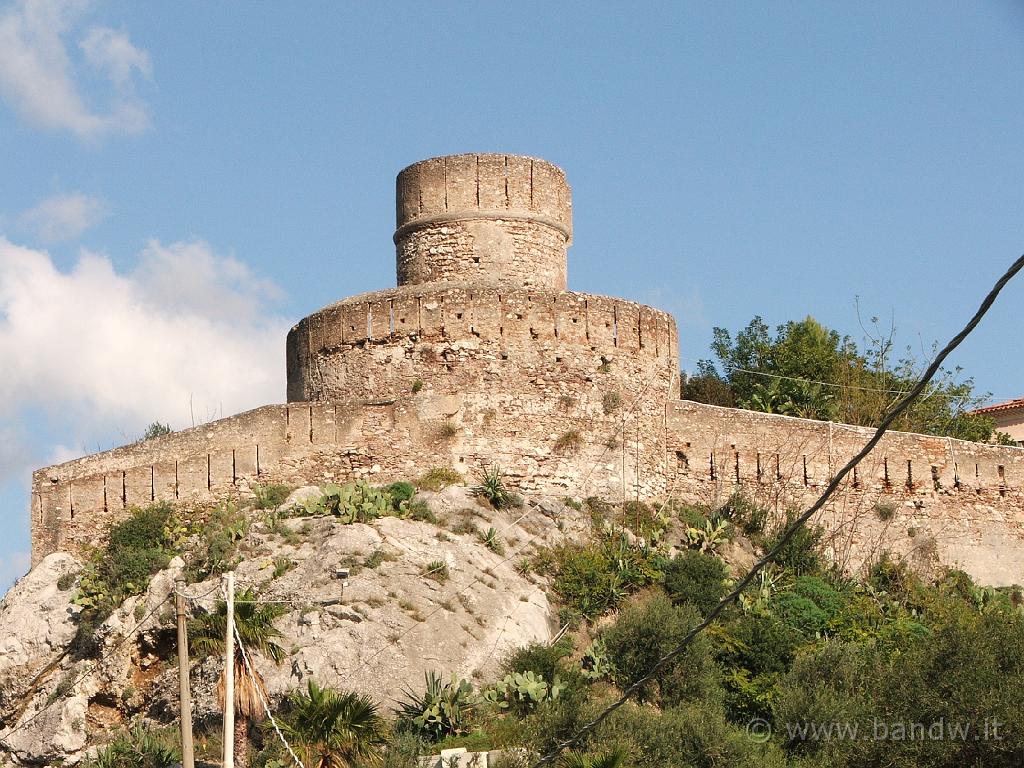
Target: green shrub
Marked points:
600	510
957	582
885	511
641	518
891	575
400	492
743	512
569	442
66	581
694	734
800	613
156	429
697	578
800	553
375	558
417	509
760	643
138	748
821	593
594	578
645	631
690	515
549	662
220	533
271	496
136	548
610	402
585	579
545	660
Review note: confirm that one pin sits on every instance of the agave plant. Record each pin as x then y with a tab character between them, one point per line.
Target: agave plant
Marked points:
492	488
443	709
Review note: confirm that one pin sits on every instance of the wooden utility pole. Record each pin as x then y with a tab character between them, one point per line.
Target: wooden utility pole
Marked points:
229	675
188	758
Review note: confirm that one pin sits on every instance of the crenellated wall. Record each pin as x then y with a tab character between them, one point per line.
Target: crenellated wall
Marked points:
463	338
952	502
930	500
617	454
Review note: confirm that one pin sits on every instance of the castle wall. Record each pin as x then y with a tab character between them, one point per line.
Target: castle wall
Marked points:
616	455
951	502
954	502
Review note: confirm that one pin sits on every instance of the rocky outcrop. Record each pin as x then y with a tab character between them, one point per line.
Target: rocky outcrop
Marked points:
378	630
37	621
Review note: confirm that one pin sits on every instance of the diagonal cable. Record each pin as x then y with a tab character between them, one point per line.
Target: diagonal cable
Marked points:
799	522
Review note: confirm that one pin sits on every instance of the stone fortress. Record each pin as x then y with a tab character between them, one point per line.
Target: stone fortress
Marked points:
481	357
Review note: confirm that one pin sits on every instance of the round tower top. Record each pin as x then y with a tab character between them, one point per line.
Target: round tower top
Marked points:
487	218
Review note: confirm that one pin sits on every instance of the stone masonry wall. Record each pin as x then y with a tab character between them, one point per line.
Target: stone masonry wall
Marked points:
511	252
483	217
953	502
464	339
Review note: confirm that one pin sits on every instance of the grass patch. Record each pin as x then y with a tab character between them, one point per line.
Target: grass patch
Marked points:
439	478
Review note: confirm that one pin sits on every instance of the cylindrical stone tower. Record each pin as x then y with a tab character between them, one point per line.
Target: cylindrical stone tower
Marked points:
481	350
483	218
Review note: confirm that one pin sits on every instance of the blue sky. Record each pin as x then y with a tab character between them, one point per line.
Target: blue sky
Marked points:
183	181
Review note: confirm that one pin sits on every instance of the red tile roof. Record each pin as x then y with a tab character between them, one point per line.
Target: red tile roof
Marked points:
1009	405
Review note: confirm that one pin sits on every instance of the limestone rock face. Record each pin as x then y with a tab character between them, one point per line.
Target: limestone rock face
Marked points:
37	621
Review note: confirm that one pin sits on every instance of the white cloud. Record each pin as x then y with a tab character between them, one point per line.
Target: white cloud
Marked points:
63	217
37	74
112	53
187	331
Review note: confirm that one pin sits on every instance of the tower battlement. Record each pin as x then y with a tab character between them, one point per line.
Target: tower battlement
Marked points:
483	218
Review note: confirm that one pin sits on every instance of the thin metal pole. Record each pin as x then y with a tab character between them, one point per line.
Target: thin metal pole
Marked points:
188	757
229	675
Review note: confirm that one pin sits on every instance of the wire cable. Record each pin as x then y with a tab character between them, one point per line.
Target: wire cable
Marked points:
263	700
798	523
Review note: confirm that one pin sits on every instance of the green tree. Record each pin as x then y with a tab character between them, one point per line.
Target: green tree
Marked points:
254	621
333	729
805	369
